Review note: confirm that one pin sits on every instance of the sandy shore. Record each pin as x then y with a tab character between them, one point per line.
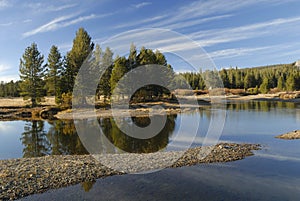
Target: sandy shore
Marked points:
25	176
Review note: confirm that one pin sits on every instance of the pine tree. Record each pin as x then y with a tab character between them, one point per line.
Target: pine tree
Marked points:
81	49
290	82
264	87
107	63
280	83
31	74
54	72
118	71
132	58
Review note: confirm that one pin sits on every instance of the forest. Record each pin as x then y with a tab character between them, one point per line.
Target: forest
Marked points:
55	75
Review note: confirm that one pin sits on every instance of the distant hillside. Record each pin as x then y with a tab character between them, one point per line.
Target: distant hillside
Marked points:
274	66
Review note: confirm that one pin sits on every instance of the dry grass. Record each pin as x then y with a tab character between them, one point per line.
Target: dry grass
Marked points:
19	102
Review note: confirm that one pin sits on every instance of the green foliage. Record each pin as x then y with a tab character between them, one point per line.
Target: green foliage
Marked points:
82	47
31	74
106	67
66	100
283	77
61	72
280	83
10	89
265	86
291	82
53	77
118	71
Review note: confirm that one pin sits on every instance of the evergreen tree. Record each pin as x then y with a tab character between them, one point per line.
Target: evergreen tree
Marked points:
291	82
31	74
54	73
249	80
132	58
81	49
107	63
265	87
280	83
118	71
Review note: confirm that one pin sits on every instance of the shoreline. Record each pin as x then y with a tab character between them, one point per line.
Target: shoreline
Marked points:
16	109
26	176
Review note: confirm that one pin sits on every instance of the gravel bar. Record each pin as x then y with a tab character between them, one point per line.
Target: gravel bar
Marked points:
25	176
293	135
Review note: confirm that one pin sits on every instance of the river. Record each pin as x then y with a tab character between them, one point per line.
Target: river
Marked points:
271	174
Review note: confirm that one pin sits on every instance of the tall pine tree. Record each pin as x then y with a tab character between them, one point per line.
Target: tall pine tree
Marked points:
54	73
81	49
31	74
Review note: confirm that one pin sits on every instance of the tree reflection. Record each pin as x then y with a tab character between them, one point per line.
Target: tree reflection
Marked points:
34	140
64	139
134	145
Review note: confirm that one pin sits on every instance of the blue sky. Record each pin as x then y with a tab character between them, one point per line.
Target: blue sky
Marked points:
241	33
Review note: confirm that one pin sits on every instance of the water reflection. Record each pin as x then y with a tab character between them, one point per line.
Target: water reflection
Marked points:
262	106
62	139
34	140
134	145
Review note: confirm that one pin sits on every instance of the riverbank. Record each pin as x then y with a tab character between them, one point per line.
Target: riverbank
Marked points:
17	109
25	176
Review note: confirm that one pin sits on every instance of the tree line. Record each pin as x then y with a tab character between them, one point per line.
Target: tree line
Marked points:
55	75
285	77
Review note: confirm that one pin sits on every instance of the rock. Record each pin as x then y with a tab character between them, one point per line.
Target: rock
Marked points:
290	135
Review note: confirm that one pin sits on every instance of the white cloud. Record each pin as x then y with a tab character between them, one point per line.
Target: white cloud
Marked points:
143	4
235	52
217	36
6	24
194	22
27	20
141	22
4	68
61	22
63	7
4	4
45	7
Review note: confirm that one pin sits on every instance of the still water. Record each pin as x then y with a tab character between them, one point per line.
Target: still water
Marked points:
272	174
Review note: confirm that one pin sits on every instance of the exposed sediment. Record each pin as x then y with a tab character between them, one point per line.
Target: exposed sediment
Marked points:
290	135
25	176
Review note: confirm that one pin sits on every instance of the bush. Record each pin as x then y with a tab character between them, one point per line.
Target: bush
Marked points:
66	100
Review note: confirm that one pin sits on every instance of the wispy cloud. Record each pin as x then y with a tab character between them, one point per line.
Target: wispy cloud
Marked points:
27	20
3	68
190	23
217	36
141	22
236	52
61	22
6	24
45	7
63	7
4	4
143	4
